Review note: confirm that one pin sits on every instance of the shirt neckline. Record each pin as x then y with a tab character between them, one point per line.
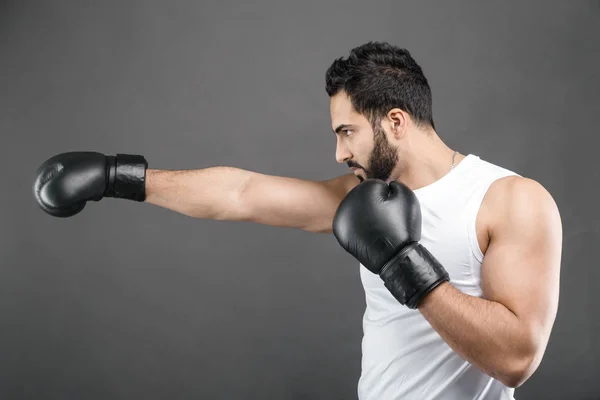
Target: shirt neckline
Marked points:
459	167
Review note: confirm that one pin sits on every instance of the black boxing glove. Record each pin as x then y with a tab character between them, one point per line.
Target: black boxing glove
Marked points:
65	182
380	225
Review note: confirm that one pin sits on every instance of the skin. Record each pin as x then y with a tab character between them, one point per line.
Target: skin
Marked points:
395	150
504	333
518	227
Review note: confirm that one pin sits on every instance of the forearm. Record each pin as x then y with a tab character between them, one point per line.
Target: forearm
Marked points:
210	193
483	332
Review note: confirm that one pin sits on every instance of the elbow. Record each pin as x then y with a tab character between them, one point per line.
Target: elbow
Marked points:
519	371
514	380
525	359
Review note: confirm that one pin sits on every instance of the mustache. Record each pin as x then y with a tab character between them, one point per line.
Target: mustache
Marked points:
352	164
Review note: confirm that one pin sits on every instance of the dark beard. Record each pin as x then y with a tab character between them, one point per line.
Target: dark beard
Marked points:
384	157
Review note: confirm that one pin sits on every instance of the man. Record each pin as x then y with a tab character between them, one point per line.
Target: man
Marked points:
467	253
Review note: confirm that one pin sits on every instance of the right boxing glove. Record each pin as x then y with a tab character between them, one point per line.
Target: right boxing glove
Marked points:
65	182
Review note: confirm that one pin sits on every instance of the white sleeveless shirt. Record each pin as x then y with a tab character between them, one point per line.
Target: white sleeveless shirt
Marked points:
403	357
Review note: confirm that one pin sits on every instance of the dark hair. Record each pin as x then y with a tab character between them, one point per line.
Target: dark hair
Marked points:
377	77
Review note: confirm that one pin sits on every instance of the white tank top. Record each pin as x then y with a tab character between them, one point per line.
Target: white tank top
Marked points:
403	357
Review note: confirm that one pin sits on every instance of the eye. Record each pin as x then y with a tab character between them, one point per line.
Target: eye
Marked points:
347	132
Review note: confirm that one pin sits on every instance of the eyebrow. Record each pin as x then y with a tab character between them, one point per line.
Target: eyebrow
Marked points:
342	127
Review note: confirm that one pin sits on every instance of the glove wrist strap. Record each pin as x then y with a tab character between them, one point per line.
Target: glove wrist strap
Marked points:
412	273
126	177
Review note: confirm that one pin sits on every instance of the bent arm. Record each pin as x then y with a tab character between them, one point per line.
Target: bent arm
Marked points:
228	193
506	332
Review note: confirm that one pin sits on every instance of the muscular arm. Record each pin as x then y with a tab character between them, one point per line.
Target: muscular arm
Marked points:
227	193
505	333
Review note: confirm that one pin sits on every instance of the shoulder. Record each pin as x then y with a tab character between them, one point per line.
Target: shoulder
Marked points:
515	202
341	185
516	193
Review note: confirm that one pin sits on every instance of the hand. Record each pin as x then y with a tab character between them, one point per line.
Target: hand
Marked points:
380	225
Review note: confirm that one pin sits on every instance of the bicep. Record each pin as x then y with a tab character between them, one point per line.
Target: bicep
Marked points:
294	203
521	267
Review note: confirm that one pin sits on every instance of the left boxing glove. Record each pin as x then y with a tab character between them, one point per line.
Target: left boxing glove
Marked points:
66	182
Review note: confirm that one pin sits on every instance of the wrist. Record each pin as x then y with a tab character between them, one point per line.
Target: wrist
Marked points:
126	177
428	301
153	177
412	274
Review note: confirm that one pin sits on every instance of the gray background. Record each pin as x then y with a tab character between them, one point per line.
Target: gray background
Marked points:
130	301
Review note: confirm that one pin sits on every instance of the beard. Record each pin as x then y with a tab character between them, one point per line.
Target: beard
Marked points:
383	159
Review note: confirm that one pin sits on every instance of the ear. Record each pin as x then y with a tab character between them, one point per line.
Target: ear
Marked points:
397	121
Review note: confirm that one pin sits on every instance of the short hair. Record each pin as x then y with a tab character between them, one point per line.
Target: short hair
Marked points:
377	77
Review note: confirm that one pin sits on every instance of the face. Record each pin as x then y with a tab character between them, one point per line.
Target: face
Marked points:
365	149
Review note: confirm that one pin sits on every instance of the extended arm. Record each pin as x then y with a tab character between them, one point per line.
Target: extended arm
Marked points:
234	194
66	182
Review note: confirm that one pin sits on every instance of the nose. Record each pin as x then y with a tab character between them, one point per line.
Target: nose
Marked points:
342	154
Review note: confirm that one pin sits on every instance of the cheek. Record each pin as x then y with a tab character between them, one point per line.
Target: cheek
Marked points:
366	152
361	149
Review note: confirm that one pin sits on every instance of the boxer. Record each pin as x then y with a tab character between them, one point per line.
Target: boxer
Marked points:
459	258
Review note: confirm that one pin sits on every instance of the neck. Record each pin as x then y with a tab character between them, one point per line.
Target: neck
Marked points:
426	159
